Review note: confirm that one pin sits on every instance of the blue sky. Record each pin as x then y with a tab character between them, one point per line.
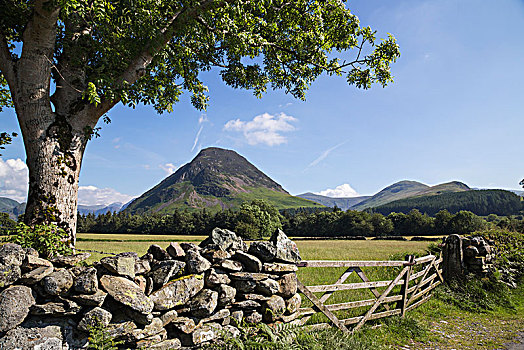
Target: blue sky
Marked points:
454	112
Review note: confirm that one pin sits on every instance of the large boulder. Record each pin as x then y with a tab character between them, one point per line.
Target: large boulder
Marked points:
11	254
163	271
70	260
86	282
177	292
226	295
204	303
9	274
286	249
61	307
120	265
38	338
226	240
94	317
58	282
96	299
288	285
158	253
15	302
195	263
250	262
36	275
127	293
265	251
274	308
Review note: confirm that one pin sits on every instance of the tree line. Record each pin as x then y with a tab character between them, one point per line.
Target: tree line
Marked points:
258	219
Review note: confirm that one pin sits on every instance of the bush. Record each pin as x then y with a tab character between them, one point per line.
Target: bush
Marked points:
100	339
48	240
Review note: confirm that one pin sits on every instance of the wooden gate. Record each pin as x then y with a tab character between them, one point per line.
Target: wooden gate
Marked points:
417	278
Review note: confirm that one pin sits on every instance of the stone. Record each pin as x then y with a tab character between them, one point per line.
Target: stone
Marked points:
168	344
69	260
255	297
163	271
226	240
86	282
206	333
287	285
175	250
250	262
286	249
121	330
215	255
62	307
120	265
213	278
290	318
168	317
155	327
229	265
274	308
471	251
204	303
158	253
195	263
293	304
36	275
58	282
248	276
220	315
142	267
246	305
187	246
38	338
141	282
11	254
184	324
177	292
265	251
267	287
127	293
279	268
9	274
453	258
92	317
142	318
244	286
32	262
96	299
231	331
226	295
252	316
15	302
237	317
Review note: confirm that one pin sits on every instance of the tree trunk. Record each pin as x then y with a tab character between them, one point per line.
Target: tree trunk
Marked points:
54	146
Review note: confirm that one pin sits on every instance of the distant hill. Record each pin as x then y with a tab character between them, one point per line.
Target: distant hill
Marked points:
398	190
99	209
480	202
11	207
343	203
408	189
215	179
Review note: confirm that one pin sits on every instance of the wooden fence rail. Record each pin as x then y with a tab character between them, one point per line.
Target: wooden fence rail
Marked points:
417	278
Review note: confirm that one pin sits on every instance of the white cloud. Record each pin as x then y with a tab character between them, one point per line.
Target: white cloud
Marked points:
169	168
92	195
344	190
324	155
14	178
263	129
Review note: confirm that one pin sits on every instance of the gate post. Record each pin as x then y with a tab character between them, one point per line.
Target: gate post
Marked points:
452	258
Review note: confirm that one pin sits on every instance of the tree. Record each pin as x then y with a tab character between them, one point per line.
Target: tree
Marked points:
65	64
257	219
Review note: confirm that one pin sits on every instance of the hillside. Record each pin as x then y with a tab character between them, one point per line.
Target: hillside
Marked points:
343	203
11	207
480	202
215	179
398	190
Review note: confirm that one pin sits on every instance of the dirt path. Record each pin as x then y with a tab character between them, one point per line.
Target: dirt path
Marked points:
517	343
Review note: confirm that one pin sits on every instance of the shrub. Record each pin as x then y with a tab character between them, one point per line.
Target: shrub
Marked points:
100	339
48	240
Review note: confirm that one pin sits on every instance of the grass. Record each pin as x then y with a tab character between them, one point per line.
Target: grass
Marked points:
438	324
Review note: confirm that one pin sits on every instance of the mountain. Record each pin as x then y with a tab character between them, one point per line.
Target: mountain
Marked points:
343	203
398	190
100	209
448	187
215	179
12	207
480	202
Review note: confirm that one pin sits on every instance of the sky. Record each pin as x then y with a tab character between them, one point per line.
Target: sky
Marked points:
454	112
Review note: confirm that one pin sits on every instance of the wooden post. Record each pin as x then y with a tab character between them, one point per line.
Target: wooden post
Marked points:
410	259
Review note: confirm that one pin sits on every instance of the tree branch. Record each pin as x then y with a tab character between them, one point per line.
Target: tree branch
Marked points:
137	66
7	64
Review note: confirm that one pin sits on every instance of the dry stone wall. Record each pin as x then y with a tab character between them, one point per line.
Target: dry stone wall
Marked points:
463	255
181	296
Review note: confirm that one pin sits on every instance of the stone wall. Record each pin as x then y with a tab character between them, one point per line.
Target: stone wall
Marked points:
181	296
463	255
